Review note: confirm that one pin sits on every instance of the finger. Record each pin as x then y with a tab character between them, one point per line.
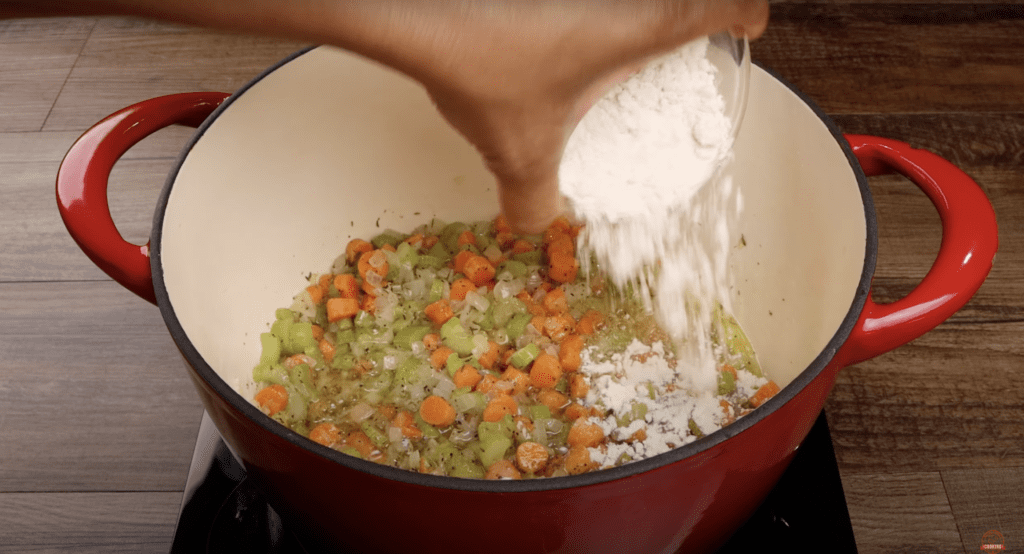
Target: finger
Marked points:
531	206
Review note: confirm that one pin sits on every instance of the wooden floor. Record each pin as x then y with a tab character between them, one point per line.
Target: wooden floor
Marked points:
97	416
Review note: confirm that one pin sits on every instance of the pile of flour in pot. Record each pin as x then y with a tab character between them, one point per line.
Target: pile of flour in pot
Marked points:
641	170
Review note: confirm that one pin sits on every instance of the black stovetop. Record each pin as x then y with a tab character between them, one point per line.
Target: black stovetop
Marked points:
222	512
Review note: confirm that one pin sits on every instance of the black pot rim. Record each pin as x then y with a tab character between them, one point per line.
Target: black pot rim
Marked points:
226	392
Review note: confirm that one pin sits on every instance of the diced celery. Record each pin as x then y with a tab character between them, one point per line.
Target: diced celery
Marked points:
405	337
525	355
376	437
534	257
284	314
513	267
274	373
344	336
407	371
494	450
429	261
300	336
517	325
436	290
505	308
695	429
450	235
726	383
440	252
453	364
637	411
738	345
351	451
504	427
380	382
465	469
389	236
344	324
344	361
539	411
301	377
364	319
271	352
456	337
429	431
280	329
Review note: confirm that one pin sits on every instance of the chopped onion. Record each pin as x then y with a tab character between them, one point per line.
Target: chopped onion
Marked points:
477	300
360	411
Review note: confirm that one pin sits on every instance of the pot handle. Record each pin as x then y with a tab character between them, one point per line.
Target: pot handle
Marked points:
84	173
969	242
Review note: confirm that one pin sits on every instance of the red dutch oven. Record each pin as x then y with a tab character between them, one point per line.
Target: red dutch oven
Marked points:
327	146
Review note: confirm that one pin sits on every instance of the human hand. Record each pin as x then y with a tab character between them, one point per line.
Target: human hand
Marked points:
515	77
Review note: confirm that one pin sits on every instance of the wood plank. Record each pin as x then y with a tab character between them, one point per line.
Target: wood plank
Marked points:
899	57
128	60
52	146
95	395
38	55
901	512
986	500
83	523
37	245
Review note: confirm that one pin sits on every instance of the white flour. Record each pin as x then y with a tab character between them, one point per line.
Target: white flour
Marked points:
634	172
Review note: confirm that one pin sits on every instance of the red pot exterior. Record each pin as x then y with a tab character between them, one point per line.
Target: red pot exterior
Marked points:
692	505
688	500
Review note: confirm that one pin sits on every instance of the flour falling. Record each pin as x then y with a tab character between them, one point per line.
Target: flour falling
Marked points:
635	172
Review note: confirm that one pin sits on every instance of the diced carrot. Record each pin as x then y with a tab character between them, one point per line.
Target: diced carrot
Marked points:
479	270
355	248
590	322
341	308
562	267
519	379
327	349
486	385
439	312
538	322
272	399
524	423
558	327
405	421
505	240
362	444
437	411
561	246
467	376
347	285
502	469
431	341
522	246
560	225
369	303
414	239
466	238
578	387
315	293
460	288
729	369
439	357
555	302
489	358
554	400
373	261
326	434
531	456
389	411
501	224
429	241
460	259
318	332
762	395
389	248
575	411
570	352
578	461
584	433
499	406
545	371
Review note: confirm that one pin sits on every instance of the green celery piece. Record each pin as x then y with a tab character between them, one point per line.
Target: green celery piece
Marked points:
271	349
466	469
637	411
525	355
506	308
513	267
405	373
436	290
281	329
450	235
284	314
440	252
376	437
429	261
300	336
534	257
494	450
456	337
389	236
274	373
351	452
726	383
405	337
344	336
407	253
429	431
364	319
695	429
738	345
517	325
345	361
539	411
453	364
